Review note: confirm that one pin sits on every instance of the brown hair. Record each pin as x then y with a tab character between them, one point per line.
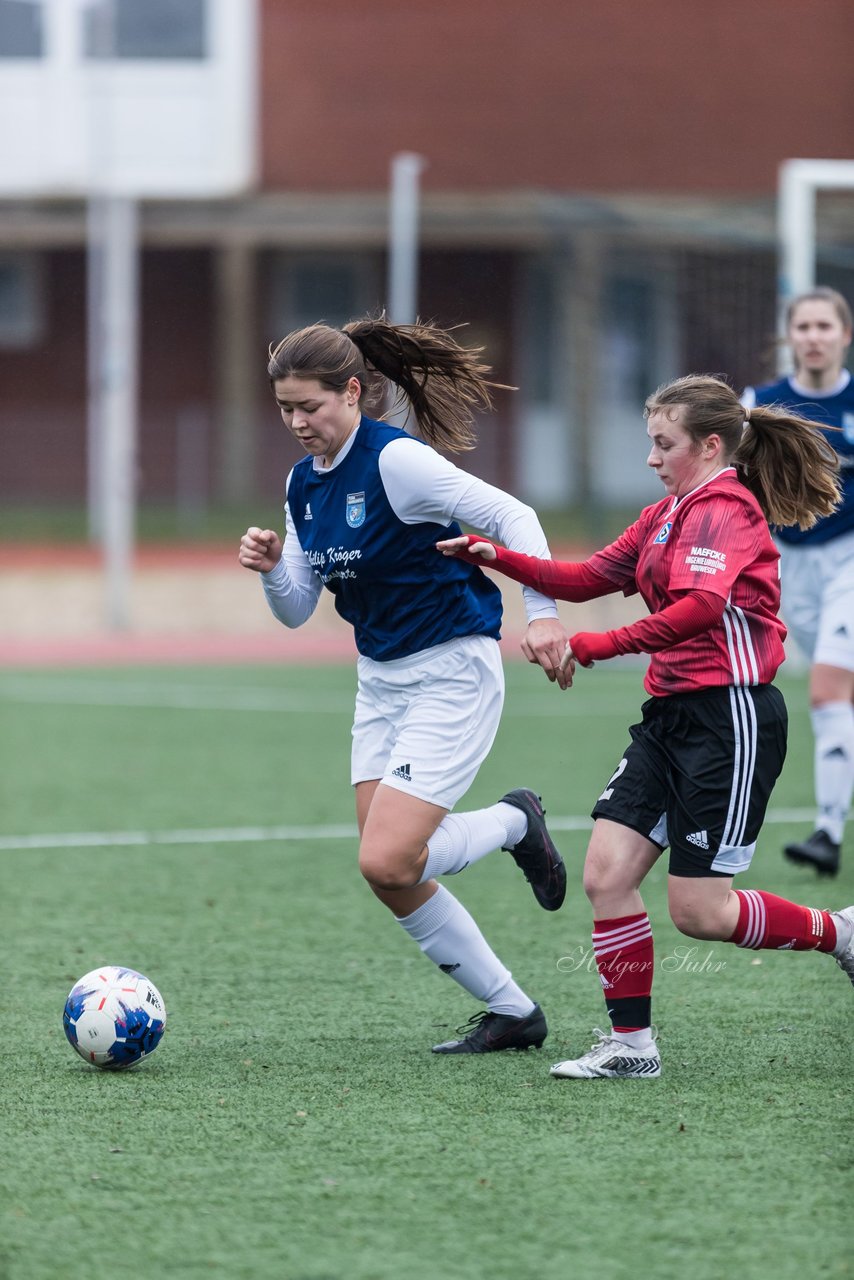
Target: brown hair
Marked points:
442	381
782	458
822	293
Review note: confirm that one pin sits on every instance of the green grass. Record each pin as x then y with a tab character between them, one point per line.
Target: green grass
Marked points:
293	1122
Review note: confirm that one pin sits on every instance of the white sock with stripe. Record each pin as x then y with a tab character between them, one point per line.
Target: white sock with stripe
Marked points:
464	838
642	1039
446	933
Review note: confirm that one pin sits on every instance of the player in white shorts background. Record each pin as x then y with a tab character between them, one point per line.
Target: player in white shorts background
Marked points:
364	510
817	565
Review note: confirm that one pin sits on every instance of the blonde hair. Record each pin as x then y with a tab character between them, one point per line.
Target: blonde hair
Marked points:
781	457
443	382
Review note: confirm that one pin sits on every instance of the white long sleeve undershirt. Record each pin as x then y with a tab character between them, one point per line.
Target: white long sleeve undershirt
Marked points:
421	487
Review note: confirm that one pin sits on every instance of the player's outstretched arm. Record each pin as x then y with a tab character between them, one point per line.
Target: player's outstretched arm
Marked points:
560	579
260	549
468	548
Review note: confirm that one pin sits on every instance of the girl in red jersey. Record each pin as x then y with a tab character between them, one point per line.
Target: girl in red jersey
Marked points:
704	758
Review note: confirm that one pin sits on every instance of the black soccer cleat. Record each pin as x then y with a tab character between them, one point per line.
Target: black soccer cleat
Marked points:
818	850
535	854
490	1032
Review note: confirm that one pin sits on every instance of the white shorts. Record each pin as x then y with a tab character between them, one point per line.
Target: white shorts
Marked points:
818	599
425	724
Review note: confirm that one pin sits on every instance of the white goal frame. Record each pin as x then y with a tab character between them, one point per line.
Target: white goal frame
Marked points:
799	182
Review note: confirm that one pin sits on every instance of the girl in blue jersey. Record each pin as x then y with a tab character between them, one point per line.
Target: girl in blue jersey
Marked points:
364	511
817	564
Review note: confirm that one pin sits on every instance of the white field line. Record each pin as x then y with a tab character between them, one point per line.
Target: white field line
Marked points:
260	835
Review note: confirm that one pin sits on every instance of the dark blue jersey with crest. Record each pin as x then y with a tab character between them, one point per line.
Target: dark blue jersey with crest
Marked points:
388	579
835	410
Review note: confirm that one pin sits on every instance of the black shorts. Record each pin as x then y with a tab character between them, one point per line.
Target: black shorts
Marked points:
698	775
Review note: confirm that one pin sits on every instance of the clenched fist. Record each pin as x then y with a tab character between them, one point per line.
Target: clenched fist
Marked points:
260	549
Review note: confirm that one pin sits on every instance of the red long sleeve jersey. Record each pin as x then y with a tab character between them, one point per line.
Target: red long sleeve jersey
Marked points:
714	539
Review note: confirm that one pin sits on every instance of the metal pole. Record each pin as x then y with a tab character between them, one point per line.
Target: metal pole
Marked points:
796	245
584	333
112	323
118	383
102	34
406	168
95	221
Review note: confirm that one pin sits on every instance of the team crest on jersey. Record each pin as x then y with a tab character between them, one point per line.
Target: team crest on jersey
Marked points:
665	532
848	427
355	510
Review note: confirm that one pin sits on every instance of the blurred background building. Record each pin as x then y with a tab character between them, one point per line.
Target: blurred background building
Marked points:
597	204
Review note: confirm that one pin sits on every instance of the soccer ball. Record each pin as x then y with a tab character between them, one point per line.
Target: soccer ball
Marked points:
114	1017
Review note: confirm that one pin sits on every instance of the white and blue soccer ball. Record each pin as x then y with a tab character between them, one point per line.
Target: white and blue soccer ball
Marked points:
114	1017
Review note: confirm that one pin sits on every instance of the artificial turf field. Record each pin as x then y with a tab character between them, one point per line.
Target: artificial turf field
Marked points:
293	1122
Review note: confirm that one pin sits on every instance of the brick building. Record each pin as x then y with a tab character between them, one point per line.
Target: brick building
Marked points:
597	204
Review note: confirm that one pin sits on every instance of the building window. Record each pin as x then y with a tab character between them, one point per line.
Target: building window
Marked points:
630	339
543	336
21	29
21	300
325	287
153	29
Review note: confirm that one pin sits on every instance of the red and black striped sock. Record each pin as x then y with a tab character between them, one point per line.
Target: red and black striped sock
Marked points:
768	922
624	957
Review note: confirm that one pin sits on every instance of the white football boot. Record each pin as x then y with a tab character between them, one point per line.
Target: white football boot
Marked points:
845	956
610	1059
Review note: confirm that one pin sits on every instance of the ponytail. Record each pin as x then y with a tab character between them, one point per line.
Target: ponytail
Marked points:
444	383
789	467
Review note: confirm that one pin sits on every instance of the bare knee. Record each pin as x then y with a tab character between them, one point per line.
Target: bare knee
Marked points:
616	864
691	920
601	879
395	829
710	918
383	870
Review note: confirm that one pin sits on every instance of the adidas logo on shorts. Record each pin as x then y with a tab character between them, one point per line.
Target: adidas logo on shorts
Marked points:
402	771
699	838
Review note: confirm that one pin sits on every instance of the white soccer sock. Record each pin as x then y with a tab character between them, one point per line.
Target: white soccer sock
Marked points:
833	726
641	1039
446	933
463	838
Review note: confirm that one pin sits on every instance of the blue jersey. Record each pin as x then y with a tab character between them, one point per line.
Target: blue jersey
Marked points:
388	580
835	410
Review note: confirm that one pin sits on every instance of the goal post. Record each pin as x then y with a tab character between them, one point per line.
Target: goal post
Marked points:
799	184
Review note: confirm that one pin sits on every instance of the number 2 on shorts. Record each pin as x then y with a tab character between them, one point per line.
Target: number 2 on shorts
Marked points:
609	790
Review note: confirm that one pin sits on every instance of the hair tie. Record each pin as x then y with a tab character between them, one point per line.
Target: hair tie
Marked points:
746	419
